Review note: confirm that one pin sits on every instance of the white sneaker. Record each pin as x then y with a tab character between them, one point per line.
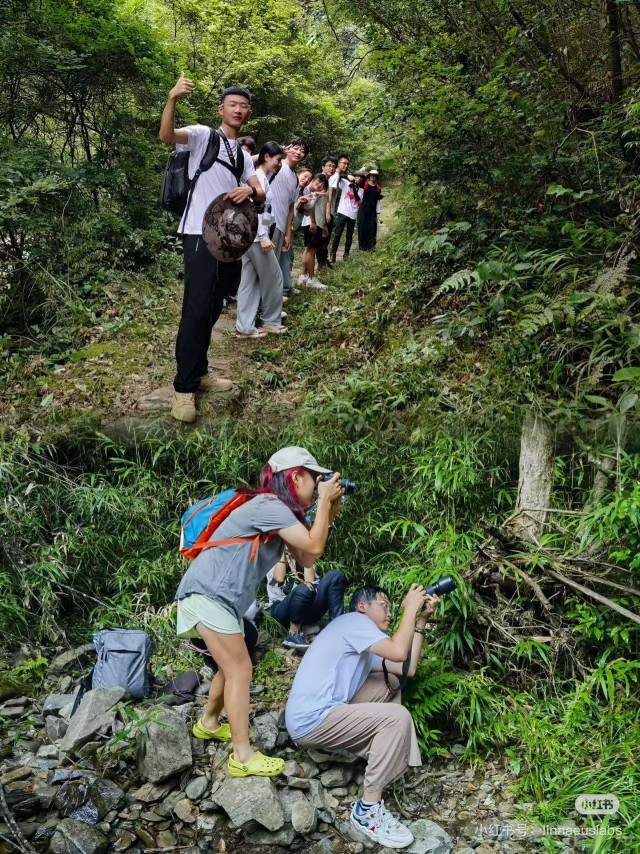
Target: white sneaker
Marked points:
303	280
381	826
317	284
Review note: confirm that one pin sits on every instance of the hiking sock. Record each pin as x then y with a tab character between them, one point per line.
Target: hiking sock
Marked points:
363	806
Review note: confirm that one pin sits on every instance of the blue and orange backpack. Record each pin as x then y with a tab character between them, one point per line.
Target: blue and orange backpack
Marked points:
201	520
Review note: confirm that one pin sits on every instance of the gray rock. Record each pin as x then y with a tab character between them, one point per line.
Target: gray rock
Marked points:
22	772
283	837
61	776
304	817
457	749
186	811
298	783
48	751
346	829
88	801
45	794
246	799
316	794
323	846
147	839
165	809
342	757
93	716
291	769
149	793
124	839
74	837
12	711
166	839
287	798
197	788
309	768
166	749
266	727
429	838
207	823
71	656
339	775
55	702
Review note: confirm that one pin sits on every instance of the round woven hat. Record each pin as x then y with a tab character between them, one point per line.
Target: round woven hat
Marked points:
229	229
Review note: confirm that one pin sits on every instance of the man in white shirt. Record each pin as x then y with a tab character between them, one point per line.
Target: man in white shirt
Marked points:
284	193
340	700
203	294
346	215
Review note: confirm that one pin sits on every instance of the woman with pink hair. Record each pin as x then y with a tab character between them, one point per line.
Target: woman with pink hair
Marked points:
222	582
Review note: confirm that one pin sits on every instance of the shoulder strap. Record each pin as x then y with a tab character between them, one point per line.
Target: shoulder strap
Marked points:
236	164
401	680
208	159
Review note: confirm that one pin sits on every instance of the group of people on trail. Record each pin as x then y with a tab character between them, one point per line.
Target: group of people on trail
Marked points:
346	694
288	196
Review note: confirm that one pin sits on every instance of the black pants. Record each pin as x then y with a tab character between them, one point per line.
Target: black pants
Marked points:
343	221
322	252
303	605
229	276
201	307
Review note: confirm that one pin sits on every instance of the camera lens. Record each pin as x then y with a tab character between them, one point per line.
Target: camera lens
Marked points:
445	584
349	486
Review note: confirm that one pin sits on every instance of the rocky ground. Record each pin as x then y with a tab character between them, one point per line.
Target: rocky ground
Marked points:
120	776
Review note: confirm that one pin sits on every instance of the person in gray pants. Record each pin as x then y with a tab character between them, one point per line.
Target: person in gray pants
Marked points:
261	280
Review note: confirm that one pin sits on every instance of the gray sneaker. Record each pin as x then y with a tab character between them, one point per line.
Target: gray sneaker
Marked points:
295	640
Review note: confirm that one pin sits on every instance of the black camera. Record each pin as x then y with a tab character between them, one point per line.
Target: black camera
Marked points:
349	486
445	584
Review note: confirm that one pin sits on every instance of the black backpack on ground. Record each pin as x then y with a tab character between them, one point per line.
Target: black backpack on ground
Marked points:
177	187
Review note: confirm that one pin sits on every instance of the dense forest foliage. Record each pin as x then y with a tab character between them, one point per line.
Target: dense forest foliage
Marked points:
479	375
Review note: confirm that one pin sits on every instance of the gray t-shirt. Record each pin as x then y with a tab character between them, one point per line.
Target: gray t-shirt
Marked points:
333	670
224	572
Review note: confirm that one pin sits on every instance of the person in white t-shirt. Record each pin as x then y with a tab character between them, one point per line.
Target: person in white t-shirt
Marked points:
342	698
203	294
284	192
261	280
347	213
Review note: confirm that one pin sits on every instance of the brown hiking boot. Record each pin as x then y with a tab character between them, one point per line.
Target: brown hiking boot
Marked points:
210	383
184	407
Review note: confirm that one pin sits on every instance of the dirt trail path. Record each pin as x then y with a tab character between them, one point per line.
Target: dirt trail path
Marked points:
121	375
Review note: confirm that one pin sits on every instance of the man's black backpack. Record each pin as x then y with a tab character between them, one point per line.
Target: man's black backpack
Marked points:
177	188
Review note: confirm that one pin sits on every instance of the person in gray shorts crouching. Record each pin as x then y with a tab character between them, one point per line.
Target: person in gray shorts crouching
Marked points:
354	704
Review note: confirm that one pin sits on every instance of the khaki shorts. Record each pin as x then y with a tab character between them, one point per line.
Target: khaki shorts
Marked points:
198	608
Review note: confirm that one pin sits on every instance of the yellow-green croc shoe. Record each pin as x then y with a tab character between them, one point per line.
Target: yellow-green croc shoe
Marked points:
260	766
223	733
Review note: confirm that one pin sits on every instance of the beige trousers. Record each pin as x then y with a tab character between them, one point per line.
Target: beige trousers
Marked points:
374	725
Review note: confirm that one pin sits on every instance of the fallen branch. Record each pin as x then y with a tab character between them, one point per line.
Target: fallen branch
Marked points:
614	585
533	585
13	824
586	591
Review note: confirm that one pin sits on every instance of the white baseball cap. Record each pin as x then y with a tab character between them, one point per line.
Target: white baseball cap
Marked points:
294	456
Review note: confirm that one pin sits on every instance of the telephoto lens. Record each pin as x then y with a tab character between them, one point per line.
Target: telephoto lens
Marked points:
349	486
445	584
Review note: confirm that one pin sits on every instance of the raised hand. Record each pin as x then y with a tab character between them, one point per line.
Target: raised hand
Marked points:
183	88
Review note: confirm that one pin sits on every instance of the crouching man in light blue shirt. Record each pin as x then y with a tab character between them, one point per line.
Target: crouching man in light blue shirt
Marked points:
342	699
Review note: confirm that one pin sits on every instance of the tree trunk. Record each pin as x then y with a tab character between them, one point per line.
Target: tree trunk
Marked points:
535	478
615	55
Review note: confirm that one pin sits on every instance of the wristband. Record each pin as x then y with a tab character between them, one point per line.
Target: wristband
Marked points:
422	632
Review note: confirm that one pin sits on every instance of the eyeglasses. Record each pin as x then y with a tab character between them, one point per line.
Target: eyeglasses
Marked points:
384	603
